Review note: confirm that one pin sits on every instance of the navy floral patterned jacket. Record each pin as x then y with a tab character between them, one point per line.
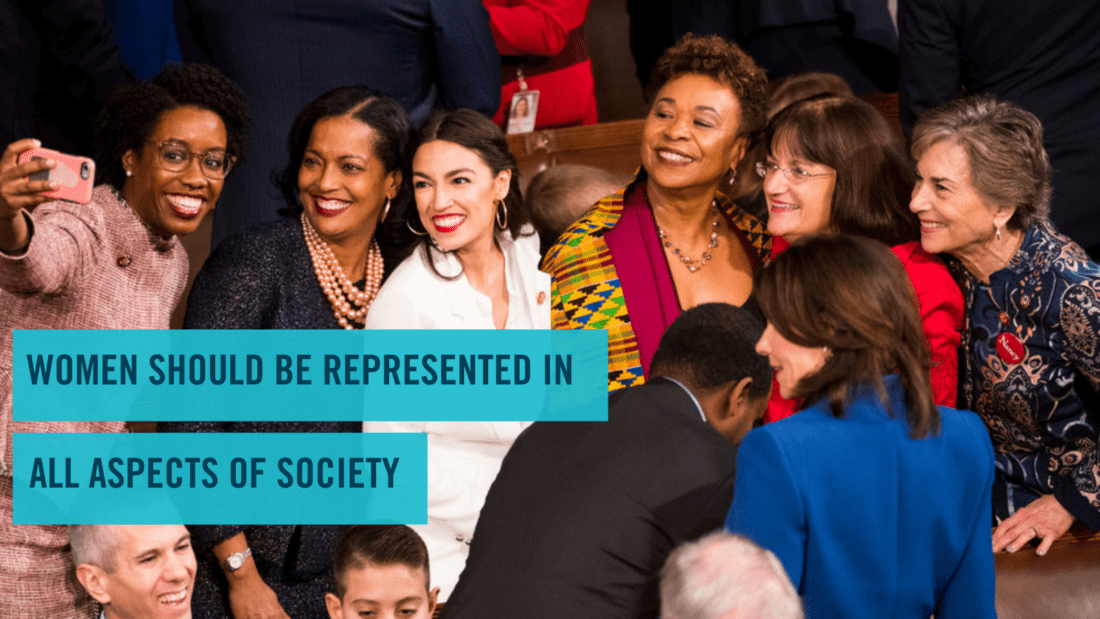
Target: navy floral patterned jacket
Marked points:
1030	367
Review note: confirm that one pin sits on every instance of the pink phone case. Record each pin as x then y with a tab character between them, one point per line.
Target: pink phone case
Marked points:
75	175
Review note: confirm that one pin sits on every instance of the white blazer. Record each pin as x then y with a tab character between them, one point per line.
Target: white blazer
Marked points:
463	457
414	297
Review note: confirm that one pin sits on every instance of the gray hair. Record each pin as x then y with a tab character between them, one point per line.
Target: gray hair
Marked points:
94	544
1004	146
726	576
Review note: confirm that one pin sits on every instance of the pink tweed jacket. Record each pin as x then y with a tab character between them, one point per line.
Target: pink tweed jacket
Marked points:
87	267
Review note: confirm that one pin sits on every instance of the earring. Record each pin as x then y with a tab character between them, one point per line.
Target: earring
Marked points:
998	230
502	224
408	224
129	173
386	211
828	353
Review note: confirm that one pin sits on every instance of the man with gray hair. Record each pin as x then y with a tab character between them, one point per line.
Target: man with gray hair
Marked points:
136	571
726	576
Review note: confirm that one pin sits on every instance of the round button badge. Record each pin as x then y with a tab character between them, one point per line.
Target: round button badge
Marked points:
1009	348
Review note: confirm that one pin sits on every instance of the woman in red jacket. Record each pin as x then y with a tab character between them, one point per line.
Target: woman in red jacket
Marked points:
542	47
834	165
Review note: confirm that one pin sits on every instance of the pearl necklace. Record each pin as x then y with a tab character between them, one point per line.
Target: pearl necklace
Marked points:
690	263
342	294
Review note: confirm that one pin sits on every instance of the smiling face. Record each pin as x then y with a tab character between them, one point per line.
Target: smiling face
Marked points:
175	202
792	362
342	184
796	209
383	592
690	137
954	217
153	576
457	196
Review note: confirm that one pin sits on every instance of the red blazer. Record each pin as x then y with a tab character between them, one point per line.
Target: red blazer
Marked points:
549	28
941	312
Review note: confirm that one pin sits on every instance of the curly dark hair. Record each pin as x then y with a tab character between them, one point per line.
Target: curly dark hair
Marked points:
132	113
724	62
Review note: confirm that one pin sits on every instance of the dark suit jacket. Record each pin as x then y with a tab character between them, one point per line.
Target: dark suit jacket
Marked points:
427	54
59	62
583	515
855	39
1044	56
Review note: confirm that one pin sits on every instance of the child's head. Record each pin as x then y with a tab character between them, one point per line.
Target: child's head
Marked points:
382	569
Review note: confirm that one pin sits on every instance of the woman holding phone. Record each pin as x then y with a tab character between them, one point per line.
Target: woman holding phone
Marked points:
163	149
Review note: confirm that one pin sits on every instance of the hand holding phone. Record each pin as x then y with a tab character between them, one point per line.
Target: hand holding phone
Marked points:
73	176
17	190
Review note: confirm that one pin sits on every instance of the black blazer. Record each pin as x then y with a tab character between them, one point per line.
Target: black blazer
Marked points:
582	516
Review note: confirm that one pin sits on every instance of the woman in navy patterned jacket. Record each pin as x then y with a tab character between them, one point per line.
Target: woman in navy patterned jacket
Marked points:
1030	360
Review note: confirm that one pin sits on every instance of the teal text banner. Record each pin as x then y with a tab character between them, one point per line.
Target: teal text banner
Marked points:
289	375
220	478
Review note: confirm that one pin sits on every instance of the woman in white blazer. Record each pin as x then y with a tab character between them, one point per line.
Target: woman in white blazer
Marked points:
475	268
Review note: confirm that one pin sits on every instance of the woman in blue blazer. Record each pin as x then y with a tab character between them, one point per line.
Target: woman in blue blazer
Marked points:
876	501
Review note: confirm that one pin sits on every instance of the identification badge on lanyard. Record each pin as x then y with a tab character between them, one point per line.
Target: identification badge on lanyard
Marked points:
525	104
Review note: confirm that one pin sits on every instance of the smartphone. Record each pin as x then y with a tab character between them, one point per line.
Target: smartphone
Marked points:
74	175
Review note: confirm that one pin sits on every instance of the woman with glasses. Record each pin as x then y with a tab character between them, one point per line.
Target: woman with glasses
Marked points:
164	149
669	240
319	267
834	165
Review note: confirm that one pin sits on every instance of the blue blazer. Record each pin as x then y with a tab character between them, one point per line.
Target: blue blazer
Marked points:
868	522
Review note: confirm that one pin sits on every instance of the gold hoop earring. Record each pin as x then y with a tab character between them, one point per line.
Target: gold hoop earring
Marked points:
502	224
408	224
385	211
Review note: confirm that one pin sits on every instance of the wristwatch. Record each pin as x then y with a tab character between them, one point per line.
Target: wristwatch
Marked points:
234	561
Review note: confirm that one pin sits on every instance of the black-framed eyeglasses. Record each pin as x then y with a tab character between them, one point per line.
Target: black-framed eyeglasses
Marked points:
174	156
796	176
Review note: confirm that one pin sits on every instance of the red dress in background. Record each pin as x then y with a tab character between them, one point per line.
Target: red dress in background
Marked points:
941	313
550	34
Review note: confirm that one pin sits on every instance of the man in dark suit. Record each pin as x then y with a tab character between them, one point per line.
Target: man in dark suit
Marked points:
59	62
1043	56
427	54
583	515
854	39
